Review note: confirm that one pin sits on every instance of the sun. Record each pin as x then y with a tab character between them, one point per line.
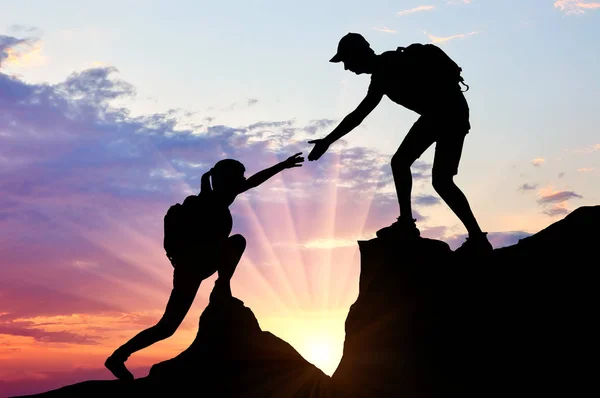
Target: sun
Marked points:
323	351
320	354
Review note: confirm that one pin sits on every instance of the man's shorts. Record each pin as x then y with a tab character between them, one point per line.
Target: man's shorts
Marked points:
447	128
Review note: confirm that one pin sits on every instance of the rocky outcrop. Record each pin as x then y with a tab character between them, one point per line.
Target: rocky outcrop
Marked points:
230	357
520	322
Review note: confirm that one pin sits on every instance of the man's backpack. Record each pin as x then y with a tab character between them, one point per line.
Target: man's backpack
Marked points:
432	64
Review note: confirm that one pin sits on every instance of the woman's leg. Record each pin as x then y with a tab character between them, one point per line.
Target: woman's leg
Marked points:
236	245
185	287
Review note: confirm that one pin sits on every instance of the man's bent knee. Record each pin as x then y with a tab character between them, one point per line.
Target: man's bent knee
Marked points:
442	181
400	161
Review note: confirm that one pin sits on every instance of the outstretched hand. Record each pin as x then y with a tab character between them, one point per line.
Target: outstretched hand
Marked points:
321	146
293	161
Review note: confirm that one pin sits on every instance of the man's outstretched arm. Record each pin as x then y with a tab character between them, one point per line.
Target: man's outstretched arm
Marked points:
349	123
356	117
263	175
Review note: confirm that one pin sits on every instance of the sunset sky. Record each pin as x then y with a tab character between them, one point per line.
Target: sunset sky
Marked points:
111	111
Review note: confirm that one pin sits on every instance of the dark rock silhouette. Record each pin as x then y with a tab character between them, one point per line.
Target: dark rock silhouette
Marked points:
522	322
230	357
426	323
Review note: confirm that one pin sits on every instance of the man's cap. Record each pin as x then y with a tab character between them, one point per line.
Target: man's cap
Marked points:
348	45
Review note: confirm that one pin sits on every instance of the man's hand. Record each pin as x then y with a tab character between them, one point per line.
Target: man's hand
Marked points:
321	146
293	161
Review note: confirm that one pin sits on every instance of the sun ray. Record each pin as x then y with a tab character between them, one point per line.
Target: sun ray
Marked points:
331	227
264	283
261	240
360	214
298	267
94	239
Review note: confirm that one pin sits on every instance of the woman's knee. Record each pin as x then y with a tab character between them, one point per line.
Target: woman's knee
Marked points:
238	242
164	330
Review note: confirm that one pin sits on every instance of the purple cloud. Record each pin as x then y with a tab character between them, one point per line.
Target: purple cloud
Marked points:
557	197
426	200
556	211
6	43
497	239
528	187
316	125
26	329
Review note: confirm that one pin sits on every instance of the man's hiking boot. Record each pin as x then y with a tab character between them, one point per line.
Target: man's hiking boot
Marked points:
403	228
117	367
477	245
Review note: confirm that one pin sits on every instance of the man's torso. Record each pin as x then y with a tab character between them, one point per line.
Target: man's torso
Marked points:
392	77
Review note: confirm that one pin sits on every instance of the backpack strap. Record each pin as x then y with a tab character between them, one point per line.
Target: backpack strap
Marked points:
462	82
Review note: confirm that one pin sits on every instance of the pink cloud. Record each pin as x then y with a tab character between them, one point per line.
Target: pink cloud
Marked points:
416	9
575	6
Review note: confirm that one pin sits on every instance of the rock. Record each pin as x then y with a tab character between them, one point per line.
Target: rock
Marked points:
230	357
429	324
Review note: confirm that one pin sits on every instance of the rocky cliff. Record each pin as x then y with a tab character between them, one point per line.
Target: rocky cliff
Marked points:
520	322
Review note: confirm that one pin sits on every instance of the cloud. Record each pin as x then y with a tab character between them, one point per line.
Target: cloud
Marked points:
23	29
26	52
575	7
316	125
557	210
7	44
555	203
538	162
527	187
588	149
43	336
27	299
243	104
497	239
438	39
585	169
559	196
426	200
385	30
437	232
421	170
36	382
459	2
416	9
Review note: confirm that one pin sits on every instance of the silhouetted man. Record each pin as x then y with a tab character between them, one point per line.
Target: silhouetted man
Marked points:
202	247
412	81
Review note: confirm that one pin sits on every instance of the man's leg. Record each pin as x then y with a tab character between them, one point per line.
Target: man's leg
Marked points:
448	151
236	244
185	287
419	138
